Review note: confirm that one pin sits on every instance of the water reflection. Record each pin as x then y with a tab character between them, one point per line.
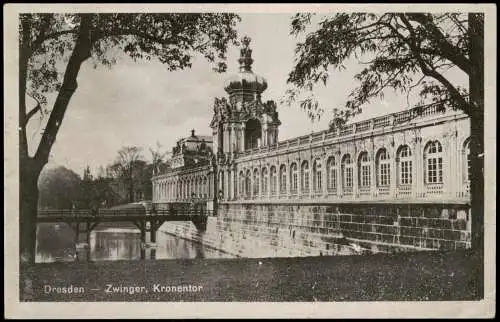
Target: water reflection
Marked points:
56	243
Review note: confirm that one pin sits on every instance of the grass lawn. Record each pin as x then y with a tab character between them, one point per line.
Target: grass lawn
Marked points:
420	276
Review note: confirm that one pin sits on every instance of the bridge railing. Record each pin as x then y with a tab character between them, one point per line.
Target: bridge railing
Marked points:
182	208
64	212
195	208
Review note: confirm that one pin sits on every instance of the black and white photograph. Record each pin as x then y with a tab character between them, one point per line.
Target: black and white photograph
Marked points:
266	156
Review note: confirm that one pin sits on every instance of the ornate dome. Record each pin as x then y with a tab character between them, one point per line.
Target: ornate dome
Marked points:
245	80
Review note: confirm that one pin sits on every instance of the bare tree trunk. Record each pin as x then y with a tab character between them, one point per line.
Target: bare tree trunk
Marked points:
476	87
476	83
28	188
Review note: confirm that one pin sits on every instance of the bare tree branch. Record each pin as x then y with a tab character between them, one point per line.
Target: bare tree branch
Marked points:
446	49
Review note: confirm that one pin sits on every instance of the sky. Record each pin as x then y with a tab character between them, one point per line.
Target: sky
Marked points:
143	104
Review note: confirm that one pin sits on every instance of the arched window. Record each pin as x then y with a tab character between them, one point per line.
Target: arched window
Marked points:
317	176
253	134
255	182
248	183
273	178
331	173
283	179
364	168
347	172
264	181
404	165
383	168
433	160
293	178
242	184
304	179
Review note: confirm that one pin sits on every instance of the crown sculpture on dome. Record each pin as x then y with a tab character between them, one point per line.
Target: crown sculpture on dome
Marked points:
245	55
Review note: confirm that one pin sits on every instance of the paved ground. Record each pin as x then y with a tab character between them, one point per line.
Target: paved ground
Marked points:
417	276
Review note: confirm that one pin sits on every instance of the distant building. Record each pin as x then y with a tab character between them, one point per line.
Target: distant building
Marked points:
191	151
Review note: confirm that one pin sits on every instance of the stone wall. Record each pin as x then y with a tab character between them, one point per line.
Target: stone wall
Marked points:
289	230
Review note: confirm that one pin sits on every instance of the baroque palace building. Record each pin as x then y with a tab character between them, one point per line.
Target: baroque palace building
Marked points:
414	164
421	153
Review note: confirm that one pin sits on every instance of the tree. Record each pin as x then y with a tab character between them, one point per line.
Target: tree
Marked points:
405	51
87	189
59	188
103	194
52	48
158	159
126	167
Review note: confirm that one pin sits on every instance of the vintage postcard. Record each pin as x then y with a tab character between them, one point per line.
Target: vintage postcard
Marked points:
250	160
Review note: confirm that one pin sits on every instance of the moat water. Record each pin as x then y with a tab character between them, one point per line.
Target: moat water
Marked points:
55	243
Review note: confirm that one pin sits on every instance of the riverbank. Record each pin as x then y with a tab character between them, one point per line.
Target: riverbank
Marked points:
425	276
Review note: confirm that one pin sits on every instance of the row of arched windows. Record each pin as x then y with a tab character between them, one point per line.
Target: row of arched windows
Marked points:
317	175
183	189
304	179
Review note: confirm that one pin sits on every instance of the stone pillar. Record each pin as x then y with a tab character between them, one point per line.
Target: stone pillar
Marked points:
311	178
355	175
210	183
373	172
251	183
324	176
236	134
232	138
225	191
288	180
269	182
229	185
453	173
215	139
274	137
264	141
236	182
299	178
393	172
154	190
233	183
225	138
261	186
418	169
462	170
242	137
340	180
